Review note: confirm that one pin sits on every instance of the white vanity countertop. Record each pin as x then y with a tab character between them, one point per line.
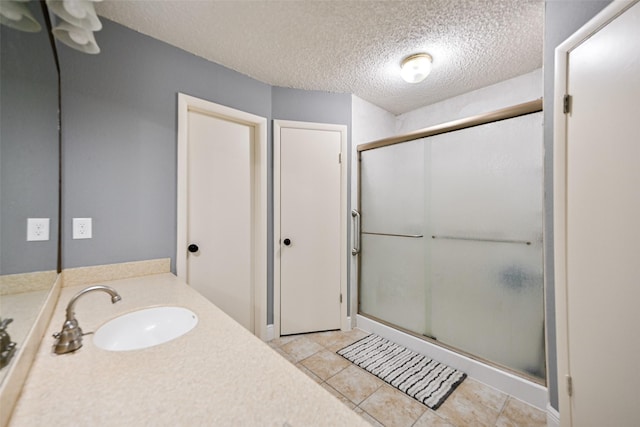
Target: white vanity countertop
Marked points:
218	374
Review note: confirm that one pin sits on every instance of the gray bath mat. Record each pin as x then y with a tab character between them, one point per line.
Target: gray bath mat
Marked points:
424	379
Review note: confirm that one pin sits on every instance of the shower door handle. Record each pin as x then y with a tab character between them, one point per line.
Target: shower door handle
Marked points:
356	231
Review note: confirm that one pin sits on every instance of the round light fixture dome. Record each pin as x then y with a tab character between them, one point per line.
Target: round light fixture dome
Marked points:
16	14
415	68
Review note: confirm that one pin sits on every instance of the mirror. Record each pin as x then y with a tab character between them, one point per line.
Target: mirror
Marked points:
29	174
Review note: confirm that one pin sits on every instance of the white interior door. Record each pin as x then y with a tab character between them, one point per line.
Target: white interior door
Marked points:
310	230
603	227
222	208
219	213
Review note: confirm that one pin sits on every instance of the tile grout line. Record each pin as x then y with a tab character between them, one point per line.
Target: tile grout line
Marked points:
324	382
357	406
504	405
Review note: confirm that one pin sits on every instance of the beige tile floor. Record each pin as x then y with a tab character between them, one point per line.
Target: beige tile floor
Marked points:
471	404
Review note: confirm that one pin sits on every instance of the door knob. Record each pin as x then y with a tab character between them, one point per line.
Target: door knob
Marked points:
193	248
286	242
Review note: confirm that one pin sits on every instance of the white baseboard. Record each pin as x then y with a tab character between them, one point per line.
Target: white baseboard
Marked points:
527	391
270	333
553	416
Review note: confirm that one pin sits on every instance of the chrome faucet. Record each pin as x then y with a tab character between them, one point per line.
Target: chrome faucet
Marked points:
70	338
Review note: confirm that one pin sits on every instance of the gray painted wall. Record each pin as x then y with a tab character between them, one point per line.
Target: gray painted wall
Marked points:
311	106
119	122
29	148
562	18
119	125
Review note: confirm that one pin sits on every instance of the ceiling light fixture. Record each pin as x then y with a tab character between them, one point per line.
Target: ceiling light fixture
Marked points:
80	13
415	68
77	38
15	14
77	21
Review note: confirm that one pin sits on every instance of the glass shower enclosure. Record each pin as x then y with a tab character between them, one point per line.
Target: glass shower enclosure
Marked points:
450	237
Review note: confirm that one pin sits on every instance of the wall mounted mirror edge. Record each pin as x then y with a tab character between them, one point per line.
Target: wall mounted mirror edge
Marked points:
29	178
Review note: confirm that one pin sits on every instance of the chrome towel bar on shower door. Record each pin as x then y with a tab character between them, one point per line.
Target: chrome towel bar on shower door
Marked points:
357	232
478	239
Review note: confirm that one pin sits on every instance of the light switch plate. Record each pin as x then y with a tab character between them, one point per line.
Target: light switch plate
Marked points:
82	228
37	229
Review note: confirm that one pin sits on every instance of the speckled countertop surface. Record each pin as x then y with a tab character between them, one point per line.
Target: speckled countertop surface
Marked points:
218	374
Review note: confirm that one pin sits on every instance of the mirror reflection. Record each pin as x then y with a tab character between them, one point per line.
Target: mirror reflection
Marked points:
29	178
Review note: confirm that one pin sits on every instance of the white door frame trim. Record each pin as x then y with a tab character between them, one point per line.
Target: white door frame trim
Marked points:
277	126
188	103
562	52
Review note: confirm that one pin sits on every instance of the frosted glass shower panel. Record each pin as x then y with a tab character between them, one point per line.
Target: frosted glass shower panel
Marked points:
451	240
392	247
488	301
392	189
485	215
486	181
392	275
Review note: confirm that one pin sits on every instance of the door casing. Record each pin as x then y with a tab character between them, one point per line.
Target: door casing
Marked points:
277	126
188	103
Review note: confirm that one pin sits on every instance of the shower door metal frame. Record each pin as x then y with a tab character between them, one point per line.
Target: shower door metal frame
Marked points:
518	110
514	111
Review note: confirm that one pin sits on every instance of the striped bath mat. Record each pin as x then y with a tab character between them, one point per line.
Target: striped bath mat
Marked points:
424	379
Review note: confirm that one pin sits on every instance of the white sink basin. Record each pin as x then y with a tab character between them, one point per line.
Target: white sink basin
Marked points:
145	328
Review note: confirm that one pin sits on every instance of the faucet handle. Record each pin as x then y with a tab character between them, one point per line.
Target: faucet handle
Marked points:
7	347
69	339
5	323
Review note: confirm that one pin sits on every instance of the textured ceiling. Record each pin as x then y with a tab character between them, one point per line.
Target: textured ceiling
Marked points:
351	46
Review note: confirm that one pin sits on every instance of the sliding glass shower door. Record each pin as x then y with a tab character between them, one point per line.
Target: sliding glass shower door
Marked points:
451	240
392	235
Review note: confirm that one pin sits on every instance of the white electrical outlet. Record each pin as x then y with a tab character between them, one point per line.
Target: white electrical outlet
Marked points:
37	229
81	228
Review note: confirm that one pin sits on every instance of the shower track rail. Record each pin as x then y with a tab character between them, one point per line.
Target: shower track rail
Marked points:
479	239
